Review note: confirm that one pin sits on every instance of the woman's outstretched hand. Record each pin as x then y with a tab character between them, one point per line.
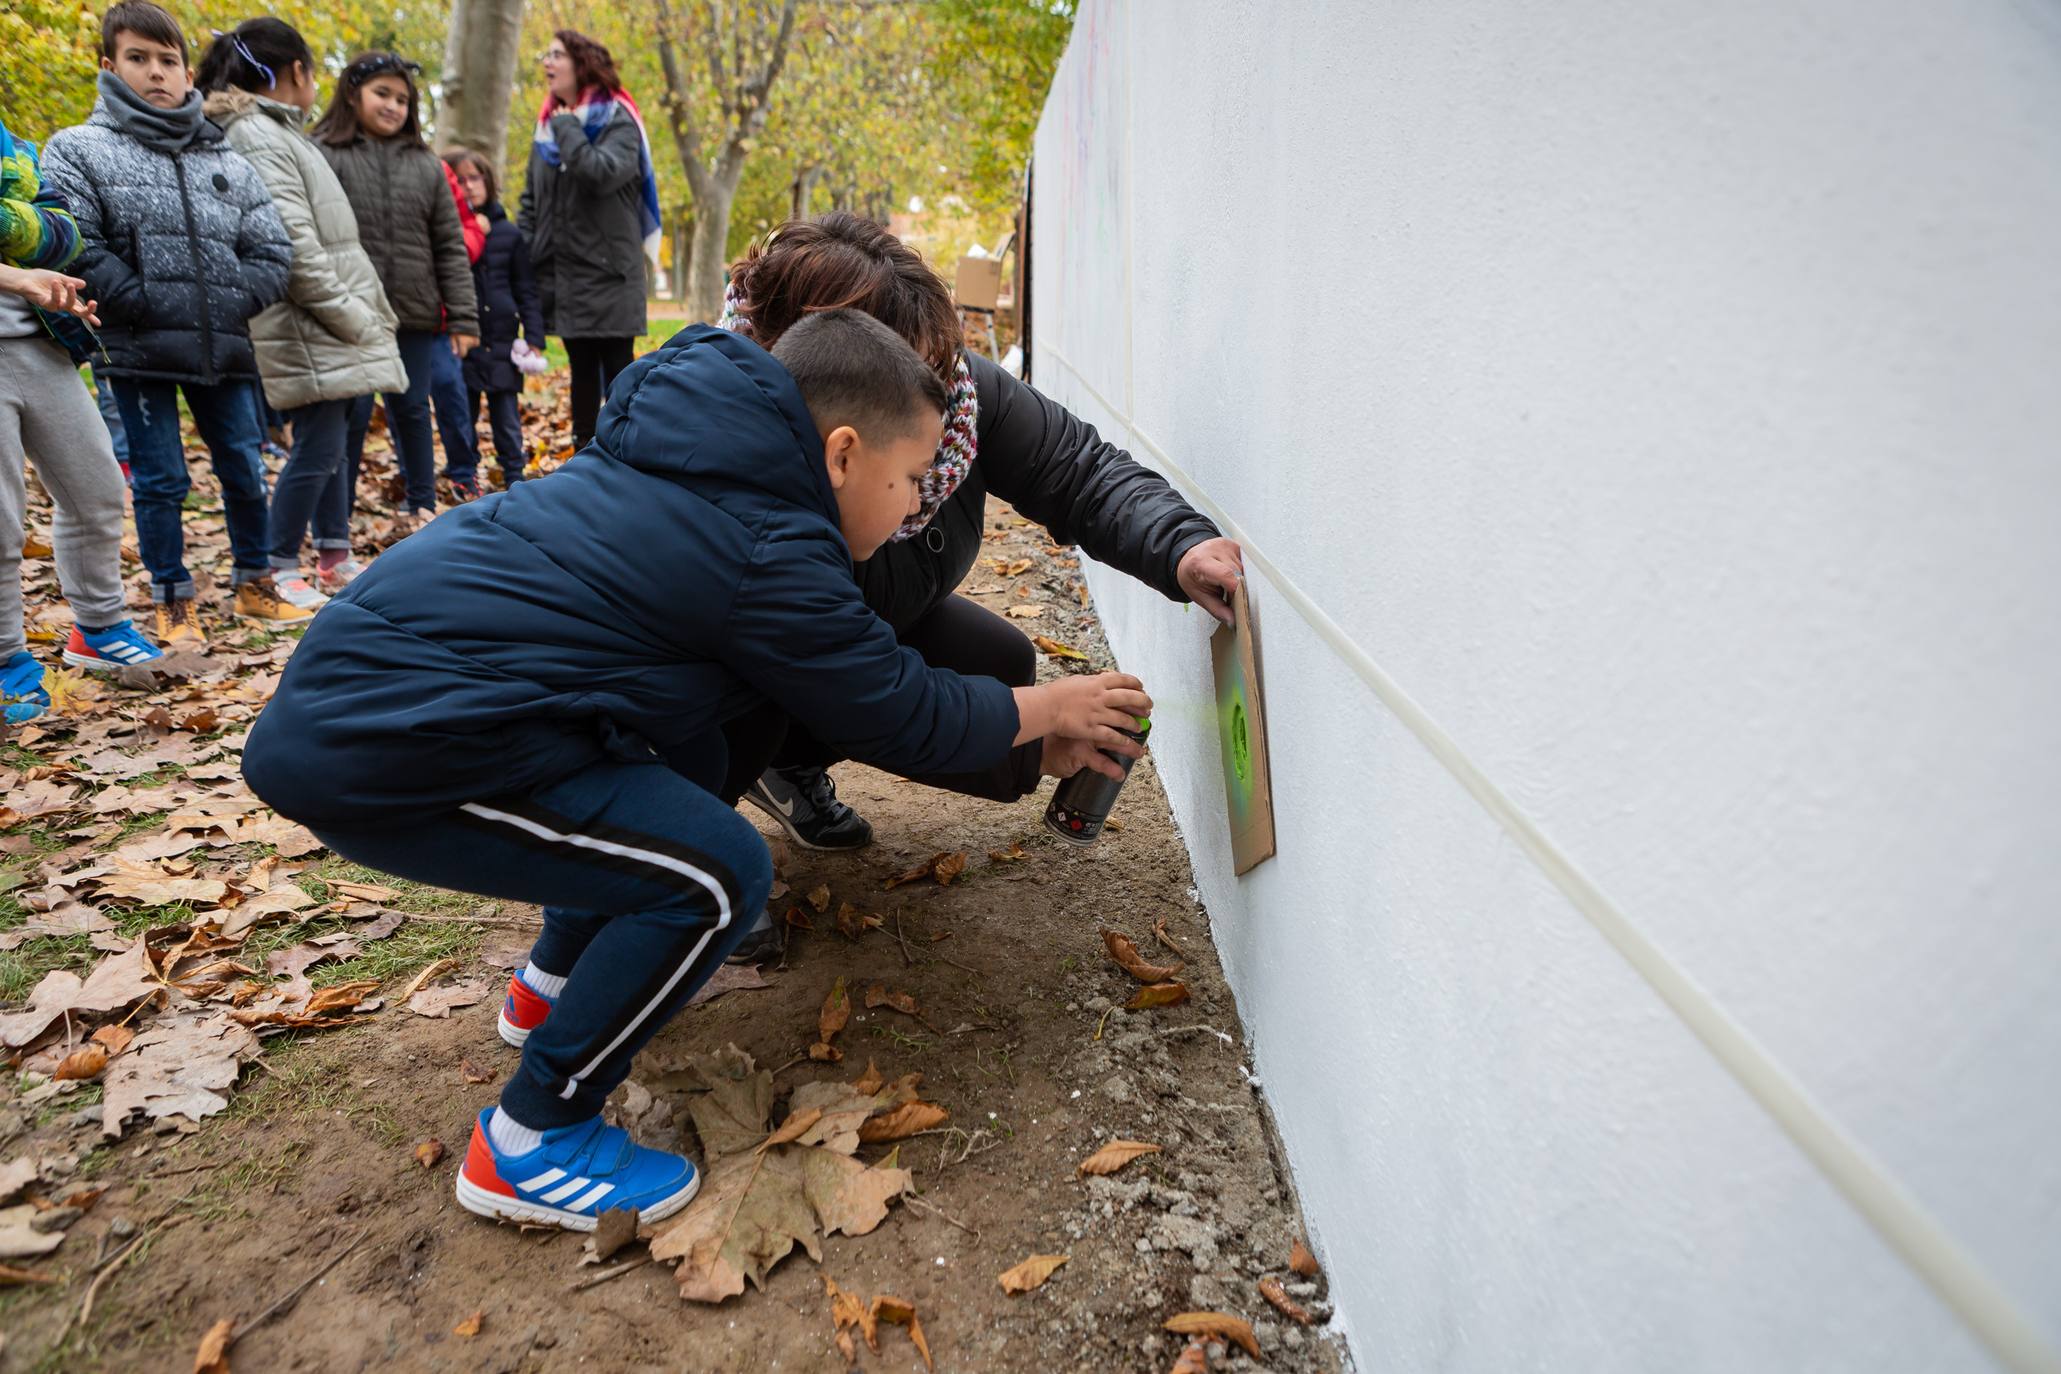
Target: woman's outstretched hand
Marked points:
1209	572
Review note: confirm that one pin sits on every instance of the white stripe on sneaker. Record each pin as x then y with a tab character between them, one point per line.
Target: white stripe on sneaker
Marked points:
565	1190
530	1185
586	1200
656	859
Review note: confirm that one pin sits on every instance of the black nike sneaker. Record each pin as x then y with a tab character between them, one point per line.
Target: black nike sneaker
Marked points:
804	801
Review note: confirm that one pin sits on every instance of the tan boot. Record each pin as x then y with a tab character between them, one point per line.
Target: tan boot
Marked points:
260	600
177	624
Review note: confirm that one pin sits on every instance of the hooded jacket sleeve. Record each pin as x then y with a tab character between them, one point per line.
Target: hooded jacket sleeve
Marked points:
800	635
453	264
1054	468
36	230
112	282
609	163
312	281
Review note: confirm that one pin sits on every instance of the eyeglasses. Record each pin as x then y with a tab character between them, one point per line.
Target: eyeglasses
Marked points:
554	54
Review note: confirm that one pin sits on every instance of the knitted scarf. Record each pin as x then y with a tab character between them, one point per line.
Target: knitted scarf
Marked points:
955	451
596	108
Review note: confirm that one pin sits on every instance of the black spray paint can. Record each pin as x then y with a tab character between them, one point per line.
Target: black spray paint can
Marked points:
1081	803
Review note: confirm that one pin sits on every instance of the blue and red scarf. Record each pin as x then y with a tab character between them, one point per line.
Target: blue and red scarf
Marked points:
596	108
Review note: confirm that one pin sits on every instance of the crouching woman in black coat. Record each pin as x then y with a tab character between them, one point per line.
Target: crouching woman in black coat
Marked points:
511	316
1000	436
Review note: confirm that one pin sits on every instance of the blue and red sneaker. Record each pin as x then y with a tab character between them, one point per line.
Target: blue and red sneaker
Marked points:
522	1011
119	646
21	688
575	1175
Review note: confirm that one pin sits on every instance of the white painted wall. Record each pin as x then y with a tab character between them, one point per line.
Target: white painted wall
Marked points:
1667	395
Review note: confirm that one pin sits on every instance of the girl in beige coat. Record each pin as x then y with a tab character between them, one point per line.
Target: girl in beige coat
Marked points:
332	340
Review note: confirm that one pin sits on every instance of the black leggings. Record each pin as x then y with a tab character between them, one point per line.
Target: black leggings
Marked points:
595	363
955	634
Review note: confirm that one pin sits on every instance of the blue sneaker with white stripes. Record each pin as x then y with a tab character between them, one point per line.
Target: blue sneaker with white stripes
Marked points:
118	646
575	1175
21	688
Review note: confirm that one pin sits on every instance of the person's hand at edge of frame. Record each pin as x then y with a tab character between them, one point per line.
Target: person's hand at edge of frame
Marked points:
1208	573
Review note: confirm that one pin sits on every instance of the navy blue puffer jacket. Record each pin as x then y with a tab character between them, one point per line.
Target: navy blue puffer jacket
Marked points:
683	568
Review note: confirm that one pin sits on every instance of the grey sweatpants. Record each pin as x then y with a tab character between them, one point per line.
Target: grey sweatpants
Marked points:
48	418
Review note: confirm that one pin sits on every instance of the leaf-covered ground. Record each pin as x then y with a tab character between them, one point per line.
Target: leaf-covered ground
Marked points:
989	1111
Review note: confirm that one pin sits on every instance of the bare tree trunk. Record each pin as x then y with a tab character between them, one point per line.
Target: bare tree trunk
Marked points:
802	190
711	251
479	75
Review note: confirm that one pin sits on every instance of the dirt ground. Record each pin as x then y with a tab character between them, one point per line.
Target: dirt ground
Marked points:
313	1171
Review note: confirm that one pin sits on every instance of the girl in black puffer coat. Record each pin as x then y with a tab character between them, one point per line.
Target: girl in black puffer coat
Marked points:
509	306
372	136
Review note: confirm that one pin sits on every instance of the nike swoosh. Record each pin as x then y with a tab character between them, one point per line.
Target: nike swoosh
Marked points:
785	808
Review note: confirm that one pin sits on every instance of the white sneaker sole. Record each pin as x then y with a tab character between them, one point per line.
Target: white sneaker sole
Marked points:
498	1207
510	1032
93	664
752	795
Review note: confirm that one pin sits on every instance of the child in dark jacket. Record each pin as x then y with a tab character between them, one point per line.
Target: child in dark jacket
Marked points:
182	248
509	306
511	703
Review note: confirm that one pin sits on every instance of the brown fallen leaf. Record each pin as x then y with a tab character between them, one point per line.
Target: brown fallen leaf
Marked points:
473	1073
364	892
1219	1325
85	1062
870	1081
790	1129
1302	1261
845	1308
181	1065
1159	934
11	1277
430	1153
1052	648
1114	823
844	1193
1024	611
1032	1273
796	919
826	1054
729	978
905	1002
820	898
1273	1292
115	983
470	1326
1125	952
213	1355
1013	854
1194	1360
940	867
853	923
728	1098
1015	567
1115	1155
836	1012
1159	995
905	1120
750	1213
847	1348
613	1229
898	1312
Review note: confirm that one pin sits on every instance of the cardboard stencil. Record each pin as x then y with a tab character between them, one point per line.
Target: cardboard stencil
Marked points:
1234	652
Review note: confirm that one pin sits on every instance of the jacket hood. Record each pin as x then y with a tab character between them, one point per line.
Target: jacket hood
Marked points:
226	107
714	405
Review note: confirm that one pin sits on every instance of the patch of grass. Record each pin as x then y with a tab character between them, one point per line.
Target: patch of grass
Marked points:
21	969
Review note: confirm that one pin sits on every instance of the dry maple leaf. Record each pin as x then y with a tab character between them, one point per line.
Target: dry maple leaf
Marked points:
820	898
905	1120
1125	952
1032	1273
790	1129
1052	648
1273	1292
1115	1155
470	1326
898	1312
1220	1325
729	1098
430	1153
85	1062
905	1002
837	1011
1159	995
213	1355
1302	1261
1194	1360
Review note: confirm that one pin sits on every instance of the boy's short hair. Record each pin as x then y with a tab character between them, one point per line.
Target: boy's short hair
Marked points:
143	19
853	370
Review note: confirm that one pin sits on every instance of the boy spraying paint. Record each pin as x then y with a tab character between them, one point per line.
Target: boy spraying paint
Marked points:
494	706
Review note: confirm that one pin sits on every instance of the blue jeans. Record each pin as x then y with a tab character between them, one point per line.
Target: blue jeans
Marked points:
111	415
454	416
647	882
228	424
407	421
313	483
504	417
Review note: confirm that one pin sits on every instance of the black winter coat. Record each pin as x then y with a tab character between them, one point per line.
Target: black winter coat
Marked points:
409	226
508	305
180	251
1055	469
585	230
522	637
